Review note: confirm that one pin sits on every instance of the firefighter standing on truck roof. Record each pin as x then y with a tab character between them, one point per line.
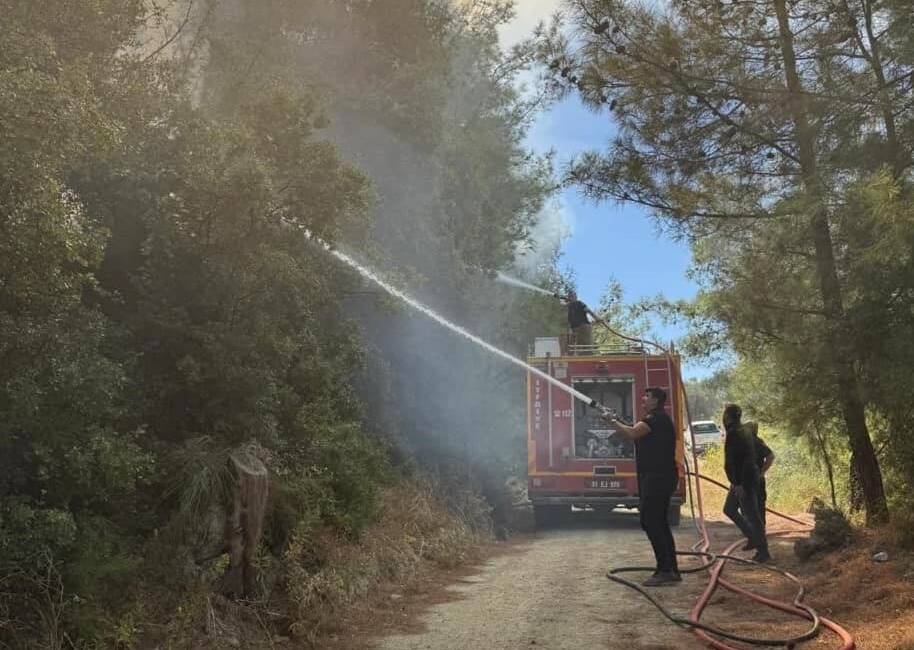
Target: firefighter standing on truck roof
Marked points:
742	504
655	460
581	330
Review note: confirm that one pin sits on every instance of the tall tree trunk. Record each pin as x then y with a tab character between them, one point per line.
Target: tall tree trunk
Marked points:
863	454
855	488
829	468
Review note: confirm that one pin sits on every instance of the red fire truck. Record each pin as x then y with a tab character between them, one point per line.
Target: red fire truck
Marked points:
574	457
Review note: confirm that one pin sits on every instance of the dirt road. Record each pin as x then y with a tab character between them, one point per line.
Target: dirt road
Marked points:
552	593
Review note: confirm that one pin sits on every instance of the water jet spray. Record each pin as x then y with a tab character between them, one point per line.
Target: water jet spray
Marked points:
368	274
507	279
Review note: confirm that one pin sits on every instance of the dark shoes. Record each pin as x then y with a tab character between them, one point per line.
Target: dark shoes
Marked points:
761	556
663	579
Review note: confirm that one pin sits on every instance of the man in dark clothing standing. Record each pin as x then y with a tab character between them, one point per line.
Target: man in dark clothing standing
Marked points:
742	504
581	330
764	459
655	459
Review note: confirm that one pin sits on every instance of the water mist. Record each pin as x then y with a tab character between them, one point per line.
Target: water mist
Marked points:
514	282
393	291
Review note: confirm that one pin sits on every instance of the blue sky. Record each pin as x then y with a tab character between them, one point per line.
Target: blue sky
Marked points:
607	240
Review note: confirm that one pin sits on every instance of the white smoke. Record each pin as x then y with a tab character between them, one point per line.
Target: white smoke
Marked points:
528	13
555	223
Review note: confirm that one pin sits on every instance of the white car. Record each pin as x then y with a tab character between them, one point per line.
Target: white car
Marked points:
706	433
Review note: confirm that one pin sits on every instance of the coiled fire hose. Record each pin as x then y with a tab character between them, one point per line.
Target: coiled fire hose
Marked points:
796	608
715	562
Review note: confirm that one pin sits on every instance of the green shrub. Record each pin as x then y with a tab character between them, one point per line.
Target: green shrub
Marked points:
792	482
102	573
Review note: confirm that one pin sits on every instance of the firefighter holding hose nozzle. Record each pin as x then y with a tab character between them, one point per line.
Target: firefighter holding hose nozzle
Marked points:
655	460
578	322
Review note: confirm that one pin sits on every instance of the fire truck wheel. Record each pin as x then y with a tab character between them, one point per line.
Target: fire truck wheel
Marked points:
673	516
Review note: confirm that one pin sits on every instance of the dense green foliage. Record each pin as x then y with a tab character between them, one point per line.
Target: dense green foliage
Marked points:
812	459
796	478
708	396
431	115
161	304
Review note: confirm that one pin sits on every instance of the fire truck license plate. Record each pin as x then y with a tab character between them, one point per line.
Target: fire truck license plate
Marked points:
606	484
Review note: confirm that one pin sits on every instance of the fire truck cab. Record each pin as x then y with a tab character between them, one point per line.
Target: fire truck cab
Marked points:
574	457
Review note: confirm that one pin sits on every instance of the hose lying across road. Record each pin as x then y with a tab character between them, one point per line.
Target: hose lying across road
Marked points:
715	562
693	623
797	607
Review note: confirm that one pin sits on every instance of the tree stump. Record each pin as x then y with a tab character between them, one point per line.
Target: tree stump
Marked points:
244	524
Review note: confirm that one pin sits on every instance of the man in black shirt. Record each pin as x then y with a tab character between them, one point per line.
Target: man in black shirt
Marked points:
742	504
764	459
581	331
655	459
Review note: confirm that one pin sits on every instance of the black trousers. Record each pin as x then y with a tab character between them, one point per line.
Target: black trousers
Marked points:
743	510
655	492
763	502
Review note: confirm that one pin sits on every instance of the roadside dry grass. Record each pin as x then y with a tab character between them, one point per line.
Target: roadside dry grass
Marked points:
414	530
326	582
873	600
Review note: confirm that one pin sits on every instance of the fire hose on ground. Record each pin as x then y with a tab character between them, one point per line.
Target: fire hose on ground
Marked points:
715	562
796	608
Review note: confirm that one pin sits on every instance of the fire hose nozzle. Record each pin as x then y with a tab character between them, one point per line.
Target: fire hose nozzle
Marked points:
605	411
